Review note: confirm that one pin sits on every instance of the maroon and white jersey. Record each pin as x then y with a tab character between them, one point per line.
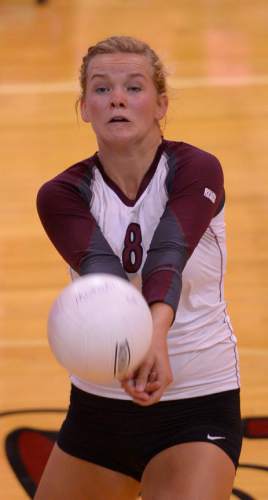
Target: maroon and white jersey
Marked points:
173	235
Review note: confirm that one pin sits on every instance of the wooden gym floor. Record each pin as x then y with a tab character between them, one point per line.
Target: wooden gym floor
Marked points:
216	52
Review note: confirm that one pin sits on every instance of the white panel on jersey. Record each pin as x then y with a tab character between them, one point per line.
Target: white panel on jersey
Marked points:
114	216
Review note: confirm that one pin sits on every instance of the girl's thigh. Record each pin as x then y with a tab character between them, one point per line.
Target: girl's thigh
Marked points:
66	477
189	471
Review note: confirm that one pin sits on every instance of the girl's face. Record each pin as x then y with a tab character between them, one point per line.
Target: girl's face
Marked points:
121	101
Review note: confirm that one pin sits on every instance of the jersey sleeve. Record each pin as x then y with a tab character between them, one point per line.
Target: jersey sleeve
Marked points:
196	194
66	218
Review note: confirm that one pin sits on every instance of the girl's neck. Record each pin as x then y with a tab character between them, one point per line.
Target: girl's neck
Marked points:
126	166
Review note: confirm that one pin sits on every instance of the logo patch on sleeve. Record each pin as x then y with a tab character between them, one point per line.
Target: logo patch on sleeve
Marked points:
210	195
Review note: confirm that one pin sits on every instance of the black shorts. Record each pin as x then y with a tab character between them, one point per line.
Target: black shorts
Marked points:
124	436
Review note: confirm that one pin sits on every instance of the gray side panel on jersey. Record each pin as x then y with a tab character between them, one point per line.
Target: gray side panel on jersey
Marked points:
168	247
168	252
85	186
172	163
101	258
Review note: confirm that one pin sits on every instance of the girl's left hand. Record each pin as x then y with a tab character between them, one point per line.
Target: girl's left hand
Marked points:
148	383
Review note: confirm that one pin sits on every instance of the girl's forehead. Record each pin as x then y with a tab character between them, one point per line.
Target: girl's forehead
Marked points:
120	63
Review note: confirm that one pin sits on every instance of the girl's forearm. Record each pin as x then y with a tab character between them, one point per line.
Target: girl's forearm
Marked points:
163	316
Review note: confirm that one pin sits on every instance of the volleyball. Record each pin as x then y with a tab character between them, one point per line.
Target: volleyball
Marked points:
100	328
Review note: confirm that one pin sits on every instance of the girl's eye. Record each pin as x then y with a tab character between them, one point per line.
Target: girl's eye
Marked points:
134	88
102	90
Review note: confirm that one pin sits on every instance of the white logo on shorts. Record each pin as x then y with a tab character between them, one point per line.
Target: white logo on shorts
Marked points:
213	438
210	195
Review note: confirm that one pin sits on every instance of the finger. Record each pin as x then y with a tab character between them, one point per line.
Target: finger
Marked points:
128	383
141	396
126	377
154	394
142	377
130	388
152	386
150	400
152	376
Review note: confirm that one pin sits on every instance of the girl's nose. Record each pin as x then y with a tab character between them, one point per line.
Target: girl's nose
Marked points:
118	99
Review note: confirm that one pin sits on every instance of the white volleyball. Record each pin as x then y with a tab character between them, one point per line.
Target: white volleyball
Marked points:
100	328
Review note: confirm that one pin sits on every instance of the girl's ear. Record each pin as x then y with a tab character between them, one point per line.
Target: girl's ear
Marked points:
162	106
84	111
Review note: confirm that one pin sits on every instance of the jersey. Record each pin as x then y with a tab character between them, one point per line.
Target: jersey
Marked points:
173	235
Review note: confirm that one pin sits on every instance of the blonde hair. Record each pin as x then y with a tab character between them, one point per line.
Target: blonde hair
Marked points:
129	45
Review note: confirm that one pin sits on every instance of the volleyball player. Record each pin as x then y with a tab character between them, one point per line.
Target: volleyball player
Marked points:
151	209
